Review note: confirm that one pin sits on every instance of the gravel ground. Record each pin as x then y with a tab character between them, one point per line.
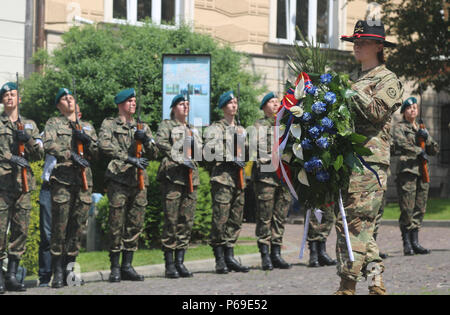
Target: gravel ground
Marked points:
420	274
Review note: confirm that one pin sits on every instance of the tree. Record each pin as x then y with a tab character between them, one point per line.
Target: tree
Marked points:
107	58
422	32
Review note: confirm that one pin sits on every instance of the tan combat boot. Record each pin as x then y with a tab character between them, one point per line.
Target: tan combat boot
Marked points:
377	286
347	287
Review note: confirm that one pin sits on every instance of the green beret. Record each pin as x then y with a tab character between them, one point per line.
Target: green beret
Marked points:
225	98
123	95
408	102
61	93
267	98
8	86
178	98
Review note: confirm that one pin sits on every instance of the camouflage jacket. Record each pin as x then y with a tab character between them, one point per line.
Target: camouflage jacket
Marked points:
379	95
170	141
116	141
219	143
10	175
405	144
264	152
58	141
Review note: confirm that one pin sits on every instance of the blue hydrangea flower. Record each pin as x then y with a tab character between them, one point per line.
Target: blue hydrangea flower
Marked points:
330	97
307	144
315	132
312	90
319	107
327	123
322	176
326	78
323	143
314	164
306	117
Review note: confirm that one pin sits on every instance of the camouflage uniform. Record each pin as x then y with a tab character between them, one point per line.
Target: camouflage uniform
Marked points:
15	206
228	199
273	198
179	203
70	204
126	202
320	231
412	191
378	96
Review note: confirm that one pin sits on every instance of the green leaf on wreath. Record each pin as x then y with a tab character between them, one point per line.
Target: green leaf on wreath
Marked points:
357	138
347	93
338	163
326	159
362	150
354	163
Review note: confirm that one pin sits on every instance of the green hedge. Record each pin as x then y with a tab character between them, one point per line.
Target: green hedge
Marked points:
151	236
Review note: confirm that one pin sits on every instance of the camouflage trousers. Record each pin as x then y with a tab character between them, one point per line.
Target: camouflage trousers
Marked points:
272	206
379	216
413	197
319	231
15	208
227	214
179	209
126	216
70	208
361	210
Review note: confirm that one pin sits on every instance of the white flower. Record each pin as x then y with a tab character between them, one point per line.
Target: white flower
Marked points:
296	131
300	90
303	177
297	111
298	150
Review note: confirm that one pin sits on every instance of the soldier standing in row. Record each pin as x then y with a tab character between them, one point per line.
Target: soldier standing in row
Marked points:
175	137
70	182
118	139
378	96
223	139
272	196
15	197
412	190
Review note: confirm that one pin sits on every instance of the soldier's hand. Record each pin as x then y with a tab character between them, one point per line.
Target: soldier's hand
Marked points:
19	161
423	156
140	135
141	163
22	136
80	135
79	160
188	163
423	133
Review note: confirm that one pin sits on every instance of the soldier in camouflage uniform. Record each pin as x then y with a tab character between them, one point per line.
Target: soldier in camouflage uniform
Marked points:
173	139
318	233
15	204
127	203
378	96
272	197
221	140
412	191
70	202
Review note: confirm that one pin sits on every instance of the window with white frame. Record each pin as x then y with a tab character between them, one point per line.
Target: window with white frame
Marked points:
165	12
314	18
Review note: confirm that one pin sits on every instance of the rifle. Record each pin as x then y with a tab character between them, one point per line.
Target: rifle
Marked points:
189	147
423	163
80	148
139	126
238	148
21	148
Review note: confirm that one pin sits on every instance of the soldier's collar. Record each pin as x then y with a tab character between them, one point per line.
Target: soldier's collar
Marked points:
369	72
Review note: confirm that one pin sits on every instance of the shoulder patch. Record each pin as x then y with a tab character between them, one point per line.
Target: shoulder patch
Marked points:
391	92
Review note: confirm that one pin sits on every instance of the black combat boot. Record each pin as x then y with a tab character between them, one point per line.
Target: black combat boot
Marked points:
266	262
324	259
114	258
221	266
417	248
2	279
127	271
406	236
232	263
171	270
181	268
58	274
313	254
277	260
11	282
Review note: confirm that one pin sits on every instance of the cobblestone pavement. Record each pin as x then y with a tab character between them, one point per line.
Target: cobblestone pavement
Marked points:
420	274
